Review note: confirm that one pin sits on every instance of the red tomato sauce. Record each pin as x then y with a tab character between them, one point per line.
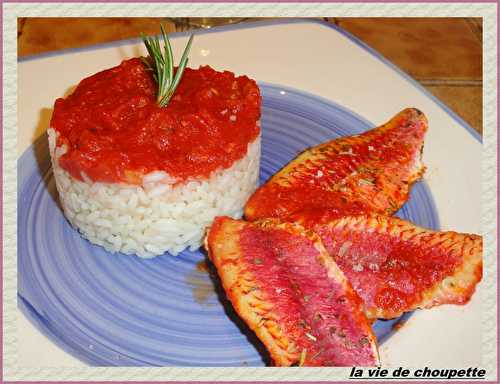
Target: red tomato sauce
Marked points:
115	131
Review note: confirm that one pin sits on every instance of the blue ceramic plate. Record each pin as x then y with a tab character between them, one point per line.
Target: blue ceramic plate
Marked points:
111	309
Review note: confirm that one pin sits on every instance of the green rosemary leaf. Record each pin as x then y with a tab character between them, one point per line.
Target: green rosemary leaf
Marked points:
184	57
169	55
178	74
145	39
161	63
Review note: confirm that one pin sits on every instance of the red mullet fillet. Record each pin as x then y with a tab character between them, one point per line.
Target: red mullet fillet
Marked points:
370	172
397	267
282	282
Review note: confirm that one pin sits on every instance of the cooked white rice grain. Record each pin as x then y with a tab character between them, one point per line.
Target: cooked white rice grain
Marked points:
156	217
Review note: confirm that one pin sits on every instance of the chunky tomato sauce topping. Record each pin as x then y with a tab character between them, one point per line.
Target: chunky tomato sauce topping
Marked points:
115	132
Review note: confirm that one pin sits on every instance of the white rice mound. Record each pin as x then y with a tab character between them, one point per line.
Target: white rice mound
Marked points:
158	216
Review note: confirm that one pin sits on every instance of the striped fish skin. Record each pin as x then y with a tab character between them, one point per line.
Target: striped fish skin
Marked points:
396	266
284	285
370	172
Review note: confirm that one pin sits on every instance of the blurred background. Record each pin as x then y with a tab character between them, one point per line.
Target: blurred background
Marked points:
442	54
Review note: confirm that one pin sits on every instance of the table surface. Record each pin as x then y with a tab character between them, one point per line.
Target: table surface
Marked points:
442	54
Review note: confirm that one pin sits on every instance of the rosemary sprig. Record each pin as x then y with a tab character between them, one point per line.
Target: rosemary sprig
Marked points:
162	65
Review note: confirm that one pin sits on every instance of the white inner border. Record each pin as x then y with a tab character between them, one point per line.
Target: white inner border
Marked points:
488	11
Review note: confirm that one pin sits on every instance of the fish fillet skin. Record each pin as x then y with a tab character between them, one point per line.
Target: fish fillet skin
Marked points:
369	172
396	266
284	285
